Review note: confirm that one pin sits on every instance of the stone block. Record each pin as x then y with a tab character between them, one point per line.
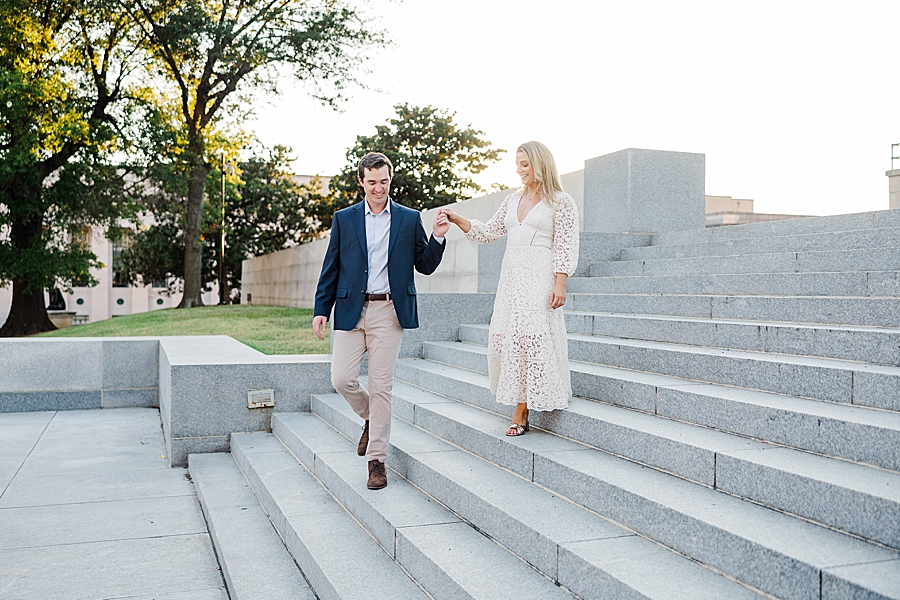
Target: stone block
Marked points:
488	498
595	246
130	363
849	497
575	323
178	449
219	482
775	553
849	432
645	304
467	356
877	386
642	191
145	398
253	558
877	312
490	259
630	389
291	496
633	567
40	401
50	365
305	439
454	560
875	581
808	377
880	346
440	316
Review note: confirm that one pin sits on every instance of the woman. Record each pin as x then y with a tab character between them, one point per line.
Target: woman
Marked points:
527	354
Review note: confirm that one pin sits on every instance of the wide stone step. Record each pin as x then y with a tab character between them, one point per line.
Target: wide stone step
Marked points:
878	345
832	261
860	311
856	221
861	500
856	283
803	242
448	557
781	555
339	558
584	552
852	433
849	382
253	558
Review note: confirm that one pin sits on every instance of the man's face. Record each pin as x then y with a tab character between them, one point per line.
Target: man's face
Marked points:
377	184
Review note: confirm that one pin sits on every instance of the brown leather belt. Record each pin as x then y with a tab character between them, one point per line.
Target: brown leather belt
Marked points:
377	297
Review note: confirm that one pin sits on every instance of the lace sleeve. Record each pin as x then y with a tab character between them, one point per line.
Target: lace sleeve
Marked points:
493	230
565	236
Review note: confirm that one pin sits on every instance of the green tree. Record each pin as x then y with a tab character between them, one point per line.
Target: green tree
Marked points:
215	55
434	160
265	211
63	66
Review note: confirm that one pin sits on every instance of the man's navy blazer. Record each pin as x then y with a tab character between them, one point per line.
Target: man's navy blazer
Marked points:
345	274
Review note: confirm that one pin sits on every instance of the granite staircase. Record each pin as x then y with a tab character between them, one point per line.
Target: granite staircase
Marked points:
734	433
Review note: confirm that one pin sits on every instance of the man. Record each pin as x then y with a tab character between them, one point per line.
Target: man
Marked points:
367	276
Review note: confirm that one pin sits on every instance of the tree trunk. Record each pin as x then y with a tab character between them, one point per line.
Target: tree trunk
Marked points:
28	313
193	247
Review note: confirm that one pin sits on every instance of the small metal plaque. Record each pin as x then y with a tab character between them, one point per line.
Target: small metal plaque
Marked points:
260	398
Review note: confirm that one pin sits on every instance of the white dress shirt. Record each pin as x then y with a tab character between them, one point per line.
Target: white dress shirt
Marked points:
378	236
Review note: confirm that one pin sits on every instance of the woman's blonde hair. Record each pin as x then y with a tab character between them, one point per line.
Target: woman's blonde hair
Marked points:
545	174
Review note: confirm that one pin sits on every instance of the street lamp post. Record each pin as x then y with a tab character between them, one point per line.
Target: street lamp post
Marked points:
222	239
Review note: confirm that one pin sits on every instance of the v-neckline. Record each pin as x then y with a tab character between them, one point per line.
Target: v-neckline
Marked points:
529	210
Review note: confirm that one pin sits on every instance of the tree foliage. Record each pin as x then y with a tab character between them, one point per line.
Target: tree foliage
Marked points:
266	210
215	55
63	66
434	160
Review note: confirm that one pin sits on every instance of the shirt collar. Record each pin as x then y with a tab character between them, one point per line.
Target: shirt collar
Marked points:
387	208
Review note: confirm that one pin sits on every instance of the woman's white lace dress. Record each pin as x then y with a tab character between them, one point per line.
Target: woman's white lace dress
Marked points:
527	352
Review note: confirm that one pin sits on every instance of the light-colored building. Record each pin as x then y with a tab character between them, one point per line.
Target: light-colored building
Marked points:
725	210
112	296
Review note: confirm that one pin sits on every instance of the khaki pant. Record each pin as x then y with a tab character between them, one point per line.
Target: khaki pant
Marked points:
378	333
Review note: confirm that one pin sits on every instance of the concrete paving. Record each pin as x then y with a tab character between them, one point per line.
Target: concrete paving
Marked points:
90	509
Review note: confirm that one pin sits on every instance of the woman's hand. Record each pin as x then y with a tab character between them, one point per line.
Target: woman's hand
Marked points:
456	219
558	296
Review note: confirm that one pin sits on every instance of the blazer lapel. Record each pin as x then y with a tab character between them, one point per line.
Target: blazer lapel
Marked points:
359	222
396	218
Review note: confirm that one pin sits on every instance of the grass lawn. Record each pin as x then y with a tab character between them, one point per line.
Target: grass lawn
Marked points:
269	329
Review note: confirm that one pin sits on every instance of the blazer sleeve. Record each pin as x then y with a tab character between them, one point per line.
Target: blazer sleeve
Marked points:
326	291
429	251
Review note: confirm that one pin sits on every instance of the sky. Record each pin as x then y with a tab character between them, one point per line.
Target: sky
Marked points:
795	104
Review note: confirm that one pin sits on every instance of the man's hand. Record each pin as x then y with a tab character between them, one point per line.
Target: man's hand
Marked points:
319	326
441	224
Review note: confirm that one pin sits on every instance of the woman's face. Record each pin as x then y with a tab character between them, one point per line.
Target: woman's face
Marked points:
524	169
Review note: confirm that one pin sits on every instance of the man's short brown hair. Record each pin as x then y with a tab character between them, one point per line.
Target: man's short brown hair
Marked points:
374	160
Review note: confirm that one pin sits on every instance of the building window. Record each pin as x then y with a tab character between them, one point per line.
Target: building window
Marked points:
119	278
81	239
159	283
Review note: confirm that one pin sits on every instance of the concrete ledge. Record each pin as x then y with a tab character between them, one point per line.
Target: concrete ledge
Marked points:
204	382
78	373
440	316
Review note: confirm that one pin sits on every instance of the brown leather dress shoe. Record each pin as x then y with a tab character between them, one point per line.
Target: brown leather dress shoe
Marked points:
377	475
363	441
